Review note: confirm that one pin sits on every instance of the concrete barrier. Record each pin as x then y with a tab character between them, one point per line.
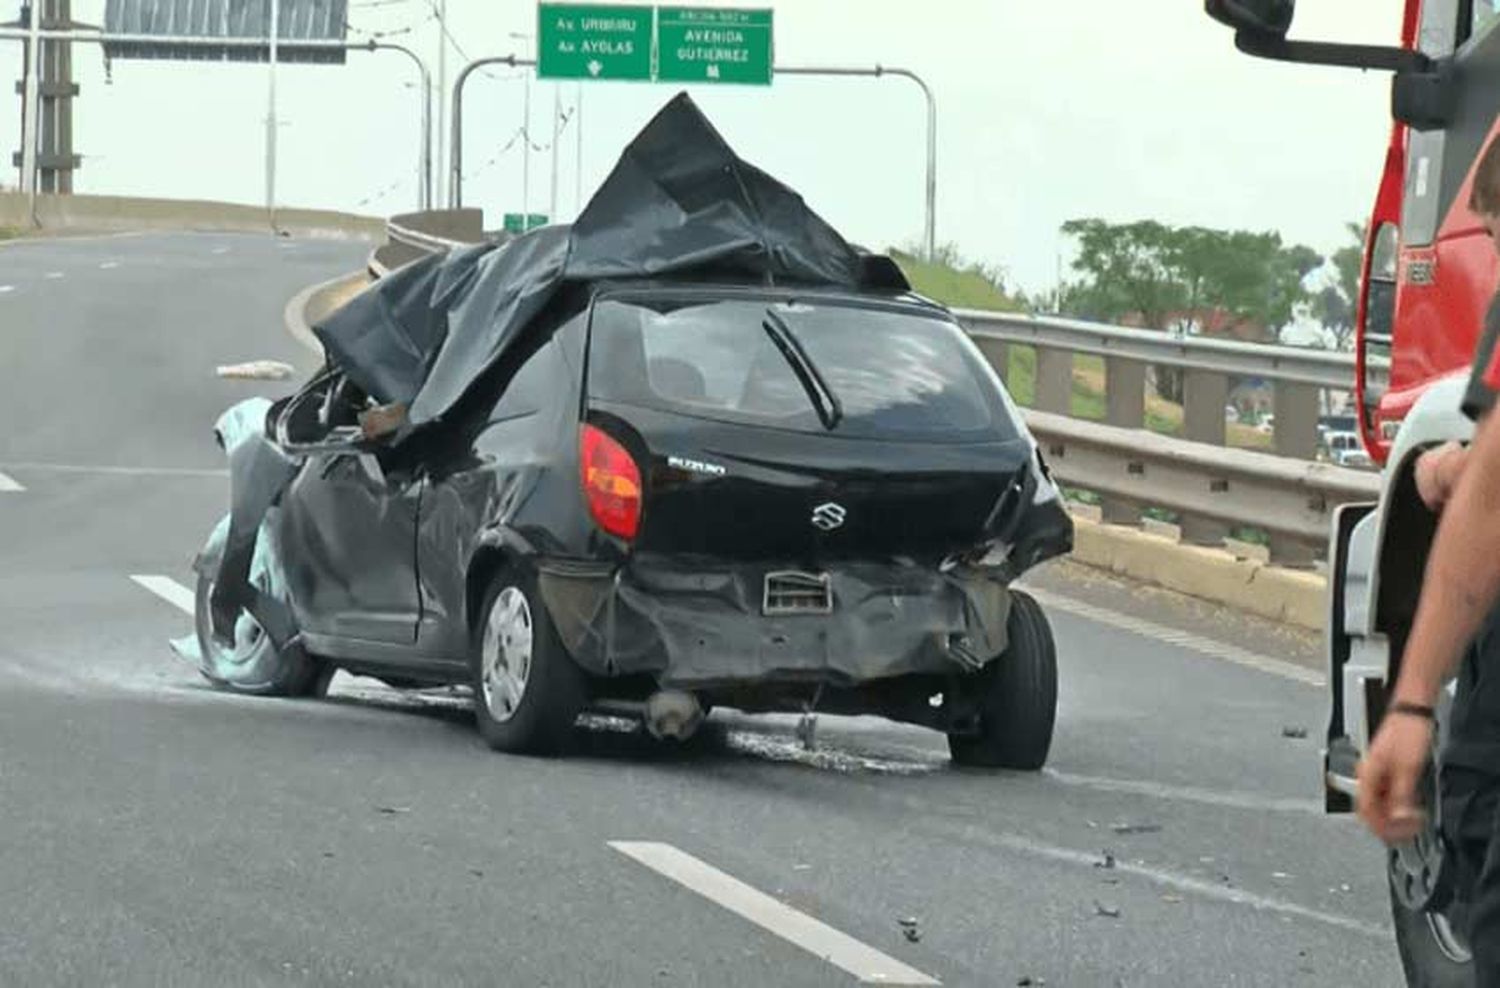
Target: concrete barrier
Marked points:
314	302
1295	597
115	213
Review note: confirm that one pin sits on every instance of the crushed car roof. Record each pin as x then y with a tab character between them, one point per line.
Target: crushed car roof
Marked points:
679	203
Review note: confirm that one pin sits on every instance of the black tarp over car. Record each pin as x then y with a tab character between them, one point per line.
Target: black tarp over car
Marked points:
679	202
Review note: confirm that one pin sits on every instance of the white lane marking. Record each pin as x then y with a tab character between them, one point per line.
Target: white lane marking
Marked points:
54	275
9	486
117	471
1181	883
1183	639
222	250
866	963
6	289
167	589
66	240
107	265
1189	794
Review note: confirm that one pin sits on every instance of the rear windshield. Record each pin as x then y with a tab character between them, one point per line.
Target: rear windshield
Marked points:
893	374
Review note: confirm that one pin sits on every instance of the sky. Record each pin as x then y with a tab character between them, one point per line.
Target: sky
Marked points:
1046	112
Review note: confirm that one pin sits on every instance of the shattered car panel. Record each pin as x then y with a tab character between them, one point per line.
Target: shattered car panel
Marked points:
680	202
704	626
831	486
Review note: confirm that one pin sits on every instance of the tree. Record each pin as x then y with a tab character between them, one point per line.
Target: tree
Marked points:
1334	306
1163	276
1333	310
1160	274
1126	270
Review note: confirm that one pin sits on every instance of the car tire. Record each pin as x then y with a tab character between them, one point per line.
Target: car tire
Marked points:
1018	697
1430	956
528	692
254	666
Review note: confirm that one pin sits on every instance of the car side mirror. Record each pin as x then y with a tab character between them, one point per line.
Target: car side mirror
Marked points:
1267	17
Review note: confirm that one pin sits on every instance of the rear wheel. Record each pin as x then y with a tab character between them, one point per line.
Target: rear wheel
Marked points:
1017	696
1431	924
527	690
251	662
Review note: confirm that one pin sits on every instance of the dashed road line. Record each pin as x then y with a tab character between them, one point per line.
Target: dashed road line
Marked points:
7	289
167	589
219	250
53	275
1184	639
1189	794
108	265
9	485
866	963
1187	884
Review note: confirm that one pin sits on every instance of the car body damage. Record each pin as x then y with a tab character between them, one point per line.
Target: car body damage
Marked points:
699	627
695	446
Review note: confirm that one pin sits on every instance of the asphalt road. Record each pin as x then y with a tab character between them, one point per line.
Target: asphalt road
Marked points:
153	831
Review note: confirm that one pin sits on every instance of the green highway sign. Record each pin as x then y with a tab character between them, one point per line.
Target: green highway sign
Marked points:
593	41
713	44
521	222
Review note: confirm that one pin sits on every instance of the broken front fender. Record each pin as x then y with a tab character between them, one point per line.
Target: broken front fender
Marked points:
259	472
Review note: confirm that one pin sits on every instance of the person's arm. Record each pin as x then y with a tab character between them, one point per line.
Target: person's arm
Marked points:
1460	588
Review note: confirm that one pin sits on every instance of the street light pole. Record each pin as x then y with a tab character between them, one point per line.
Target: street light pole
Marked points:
272	39
31	126
929	234
456	154
929	225
424	161
556	138
578	136
526	155
442	84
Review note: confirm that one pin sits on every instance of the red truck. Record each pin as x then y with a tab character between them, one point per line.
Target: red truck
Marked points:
1429	274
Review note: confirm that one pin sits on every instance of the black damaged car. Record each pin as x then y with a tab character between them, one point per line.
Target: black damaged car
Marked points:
694	450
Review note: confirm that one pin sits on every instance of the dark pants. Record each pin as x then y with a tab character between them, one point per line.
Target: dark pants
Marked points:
1471	826
1470	790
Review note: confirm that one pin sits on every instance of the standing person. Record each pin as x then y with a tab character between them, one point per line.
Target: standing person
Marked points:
1457	618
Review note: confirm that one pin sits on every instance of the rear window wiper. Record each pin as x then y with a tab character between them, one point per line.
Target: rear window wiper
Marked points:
830	410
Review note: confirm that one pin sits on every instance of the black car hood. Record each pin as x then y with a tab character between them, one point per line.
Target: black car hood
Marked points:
679	202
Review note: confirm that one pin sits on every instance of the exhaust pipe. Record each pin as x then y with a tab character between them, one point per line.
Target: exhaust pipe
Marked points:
674	714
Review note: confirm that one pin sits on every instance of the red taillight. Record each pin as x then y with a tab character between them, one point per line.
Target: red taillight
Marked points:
611	483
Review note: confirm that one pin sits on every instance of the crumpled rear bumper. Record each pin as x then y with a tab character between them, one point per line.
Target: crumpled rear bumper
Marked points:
701	625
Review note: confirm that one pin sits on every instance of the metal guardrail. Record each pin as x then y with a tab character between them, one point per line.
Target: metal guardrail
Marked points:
1290	499
1212	488
1296	365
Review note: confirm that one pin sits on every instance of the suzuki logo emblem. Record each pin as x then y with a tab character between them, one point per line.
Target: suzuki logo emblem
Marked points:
829	516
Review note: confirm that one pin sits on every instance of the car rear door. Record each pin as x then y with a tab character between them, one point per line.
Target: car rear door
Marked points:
925	460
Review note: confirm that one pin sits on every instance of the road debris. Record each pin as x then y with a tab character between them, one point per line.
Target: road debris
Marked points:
1111	912
392	810
1294	732
1107	860
1027	981
256	370
1127	829
807	730
1169	897
911	929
